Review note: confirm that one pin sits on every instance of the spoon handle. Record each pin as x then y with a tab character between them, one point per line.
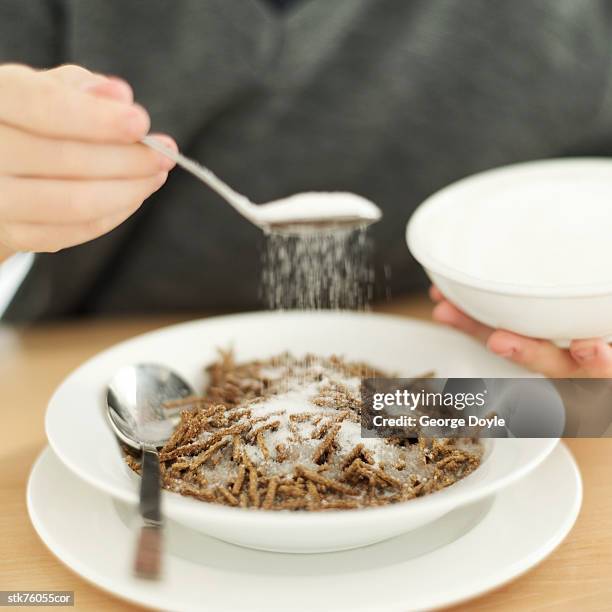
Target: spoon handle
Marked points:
241	203
147	563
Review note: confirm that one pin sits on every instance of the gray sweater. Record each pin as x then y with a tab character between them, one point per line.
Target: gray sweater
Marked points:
391	99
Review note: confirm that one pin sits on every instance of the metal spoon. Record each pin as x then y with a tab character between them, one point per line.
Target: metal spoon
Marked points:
324	211
134	402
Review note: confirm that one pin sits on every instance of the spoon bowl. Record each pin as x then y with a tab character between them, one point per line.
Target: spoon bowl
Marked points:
135	404
318	211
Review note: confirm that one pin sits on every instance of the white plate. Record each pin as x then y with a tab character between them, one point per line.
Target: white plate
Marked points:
466	553
81	438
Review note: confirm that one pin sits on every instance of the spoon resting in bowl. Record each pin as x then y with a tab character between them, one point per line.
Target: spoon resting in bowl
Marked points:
135	410
316	211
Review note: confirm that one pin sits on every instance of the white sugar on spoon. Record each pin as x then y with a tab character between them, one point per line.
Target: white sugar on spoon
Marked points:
297	214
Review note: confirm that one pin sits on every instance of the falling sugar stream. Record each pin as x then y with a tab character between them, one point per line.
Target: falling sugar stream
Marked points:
318	270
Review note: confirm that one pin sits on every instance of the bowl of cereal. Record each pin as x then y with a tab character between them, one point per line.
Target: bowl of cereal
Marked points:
269	454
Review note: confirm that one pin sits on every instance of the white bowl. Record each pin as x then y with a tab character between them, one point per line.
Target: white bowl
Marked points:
525	247
81	438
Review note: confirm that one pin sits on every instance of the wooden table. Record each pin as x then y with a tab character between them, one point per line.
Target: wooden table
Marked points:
577	576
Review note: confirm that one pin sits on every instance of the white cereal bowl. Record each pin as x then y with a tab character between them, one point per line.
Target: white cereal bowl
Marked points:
80	437
525	247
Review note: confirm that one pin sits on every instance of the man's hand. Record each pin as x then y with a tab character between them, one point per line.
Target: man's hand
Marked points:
590	358
71	166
